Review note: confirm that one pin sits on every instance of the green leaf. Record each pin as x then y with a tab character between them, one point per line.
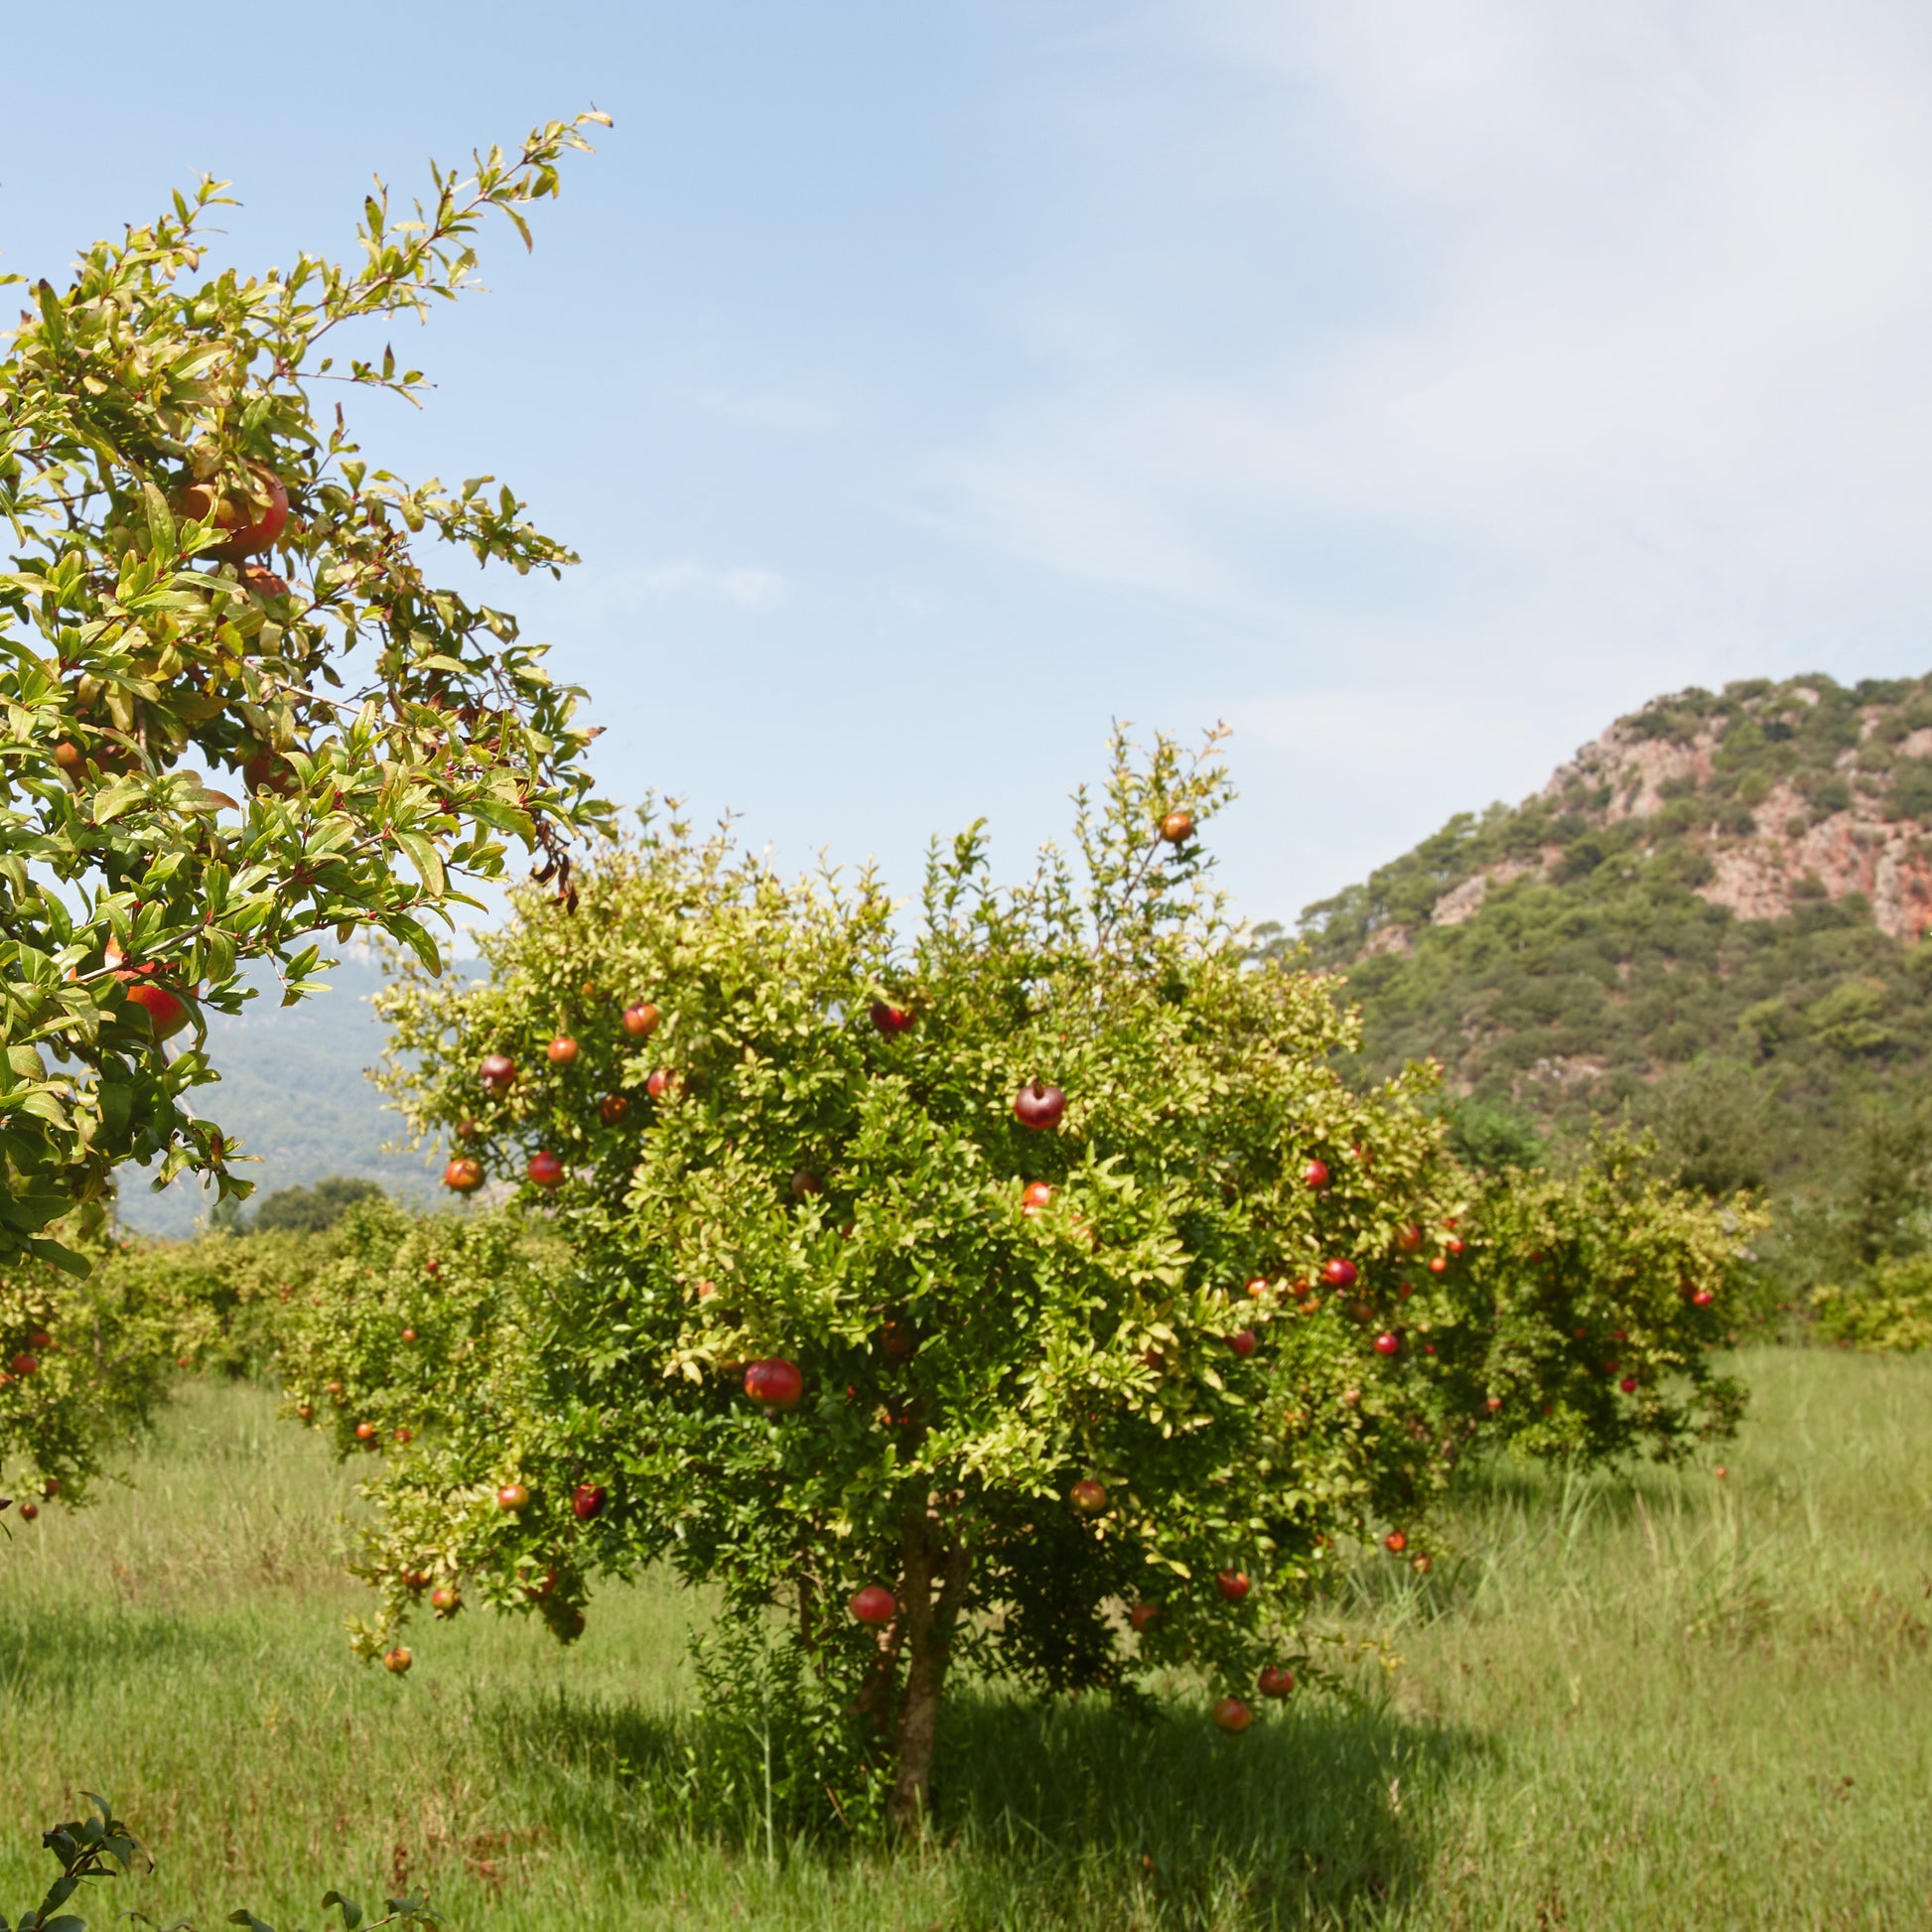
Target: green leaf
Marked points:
111	800
161	520
65	1258
416	940
422	853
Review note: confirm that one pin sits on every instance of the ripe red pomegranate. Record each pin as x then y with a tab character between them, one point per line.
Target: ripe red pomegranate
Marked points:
612	1108
266	770
498	1072
874	1604
167	1014
1039	1106
1258	1287
512	1495
24	1364
804	1182
661	1082
1703	1298
775	1382
1141	1614
641	1021
1274	1681
1315	1174
1232	1584
1243	1341
405	1434
464	1174
1232	1716
1178	827
1629	1385
29	1511
1387	1343
446	1602
1437	1265
562	1051
892	1019
1396	1542
365	1432
252	519
1037	1196
1339	1273
397	1660
545	1170
1409	1239
1089	1496
586	1501
1453	1245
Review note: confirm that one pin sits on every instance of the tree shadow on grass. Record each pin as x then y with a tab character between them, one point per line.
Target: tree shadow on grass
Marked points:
1073	1814
53	1656
1307	1818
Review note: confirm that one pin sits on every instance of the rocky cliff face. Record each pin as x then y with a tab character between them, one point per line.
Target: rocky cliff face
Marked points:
1816	830
1772	796
1724	894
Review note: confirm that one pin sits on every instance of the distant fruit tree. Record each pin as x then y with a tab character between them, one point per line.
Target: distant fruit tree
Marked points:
1027	1286
205	571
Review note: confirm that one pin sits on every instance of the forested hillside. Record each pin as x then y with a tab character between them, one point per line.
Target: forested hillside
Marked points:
1710	920
293	1090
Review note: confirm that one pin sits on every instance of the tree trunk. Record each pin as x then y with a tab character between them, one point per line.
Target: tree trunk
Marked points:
933	1582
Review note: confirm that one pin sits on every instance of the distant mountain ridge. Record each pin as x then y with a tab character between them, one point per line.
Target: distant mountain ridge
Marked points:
294	1089
1743	876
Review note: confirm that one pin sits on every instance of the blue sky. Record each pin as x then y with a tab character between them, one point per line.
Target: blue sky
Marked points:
1414	386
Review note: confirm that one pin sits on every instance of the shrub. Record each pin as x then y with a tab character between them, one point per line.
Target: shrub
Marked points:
1589	1308
1021	1413
1891	1311
82	1365
832	1318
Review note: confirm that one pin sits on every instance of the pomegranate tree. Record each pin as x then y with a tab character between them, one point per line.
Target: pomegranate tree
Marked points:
384	734
1091	1387
1012	1365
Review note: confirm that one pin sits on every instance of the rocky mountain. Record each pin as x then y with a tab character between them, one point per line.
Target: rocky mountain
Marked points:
1736	880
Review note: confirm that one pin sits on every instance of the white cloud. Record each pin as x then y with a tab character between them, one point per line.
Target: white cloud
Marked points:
1453	338
611	592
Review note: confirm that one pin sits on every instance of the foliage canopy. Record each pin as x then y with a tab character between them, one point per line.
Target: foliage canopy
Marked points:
205	571
1163	1355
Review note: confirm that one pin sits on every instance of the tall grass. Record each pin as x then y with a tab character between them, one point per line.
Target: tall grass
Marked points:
1650	1702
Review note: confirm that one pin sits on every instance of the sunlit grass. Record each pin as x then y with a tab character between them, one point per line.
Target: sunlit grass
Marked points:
1657	1700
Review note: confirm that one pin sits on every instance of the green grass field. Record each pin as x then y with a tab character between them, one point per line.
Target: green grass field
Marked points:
1660	1701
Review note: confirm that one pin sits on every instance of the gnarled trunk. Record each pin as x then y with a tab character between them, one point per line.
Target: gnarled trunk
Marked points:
934	1577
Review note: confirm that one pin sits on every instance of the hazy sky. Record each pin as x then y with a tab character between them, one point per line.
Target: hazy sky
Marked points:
1415	386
